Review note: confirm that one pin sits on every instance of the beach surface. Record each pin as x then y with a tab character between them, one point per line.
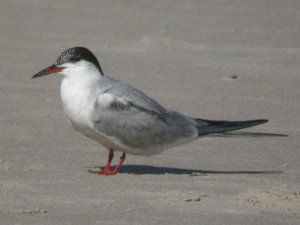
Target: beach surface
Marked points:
211	59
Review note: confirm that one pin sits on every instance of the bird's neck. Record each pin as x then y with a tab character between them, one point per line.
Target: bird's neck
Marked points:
79	95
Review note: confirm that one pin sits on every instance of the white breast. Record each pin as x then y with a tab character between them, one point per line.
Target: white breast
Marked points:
78	99
79	95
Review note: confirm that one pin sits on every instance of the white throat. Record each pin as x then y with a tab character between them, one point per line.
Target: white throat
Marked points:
79	90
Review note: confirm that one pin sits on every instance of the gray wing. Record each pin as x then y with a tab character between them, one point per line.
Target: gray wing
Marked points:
139	121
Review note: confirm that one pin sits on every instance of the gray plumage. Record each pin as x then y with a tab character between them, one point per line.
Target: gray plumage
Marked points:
121	117
141	122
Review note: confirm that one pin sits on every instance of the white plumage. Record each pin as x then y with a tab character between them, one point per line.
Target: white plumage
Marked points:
121	117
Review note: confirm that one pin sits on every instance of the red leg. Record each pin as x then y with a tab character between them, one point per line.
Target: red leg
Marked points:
106	170
107	167
122	159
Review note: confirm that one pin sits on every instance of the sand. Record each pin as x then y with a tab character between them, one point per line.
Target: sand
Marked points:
225	60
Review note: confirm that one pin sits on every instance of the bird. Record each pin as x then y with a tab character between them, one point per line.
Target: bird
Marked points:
121	117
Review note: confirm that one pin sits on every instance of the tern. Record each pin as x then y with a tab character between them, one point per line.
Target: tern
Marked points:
120	117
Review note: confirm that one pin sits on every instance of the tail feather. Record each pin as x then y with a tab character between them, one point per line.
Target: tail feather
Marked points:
211	127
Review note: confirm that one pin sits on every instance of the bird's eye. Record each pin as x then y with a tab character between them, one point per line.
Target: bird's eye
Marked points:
75	58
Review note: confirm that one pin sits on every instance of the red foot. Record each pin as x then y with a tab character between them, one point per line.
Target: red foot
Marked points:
102	172
107	170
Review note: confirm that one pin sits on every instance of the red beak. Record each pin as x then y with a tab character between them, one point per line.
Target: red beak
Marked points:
49	70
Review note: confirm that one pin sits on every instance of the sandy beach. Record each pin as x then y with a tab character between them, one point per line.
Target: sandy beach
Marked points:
211	59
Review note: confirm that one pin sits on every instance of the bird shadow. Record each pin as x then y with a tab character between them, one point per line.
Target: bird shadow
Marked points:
156	170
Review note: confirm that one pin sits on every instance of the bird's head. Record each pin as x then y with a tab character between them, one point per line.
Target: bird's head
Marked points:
72	62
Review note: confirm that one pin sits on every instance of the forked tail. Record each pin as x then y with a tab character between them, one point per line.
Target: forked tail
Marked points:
212	127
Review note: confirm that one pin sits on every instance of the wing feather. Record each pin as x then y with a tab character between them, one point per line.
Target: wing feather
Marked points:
138	121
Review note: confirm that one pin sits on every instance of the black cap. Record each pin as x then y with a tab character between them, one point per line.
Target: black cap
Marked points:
76	54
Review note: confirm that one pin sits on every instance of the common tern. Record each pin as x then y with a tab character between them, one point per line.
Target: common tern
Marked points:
121	117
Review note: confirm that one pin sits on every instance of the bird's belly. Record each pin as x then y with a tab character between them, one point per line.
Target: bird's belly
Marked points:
104	140
81	121
111	142
84	125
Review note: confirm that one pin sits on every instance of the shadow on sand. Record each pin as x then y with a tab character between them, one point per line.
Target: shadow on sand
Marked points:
142	169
